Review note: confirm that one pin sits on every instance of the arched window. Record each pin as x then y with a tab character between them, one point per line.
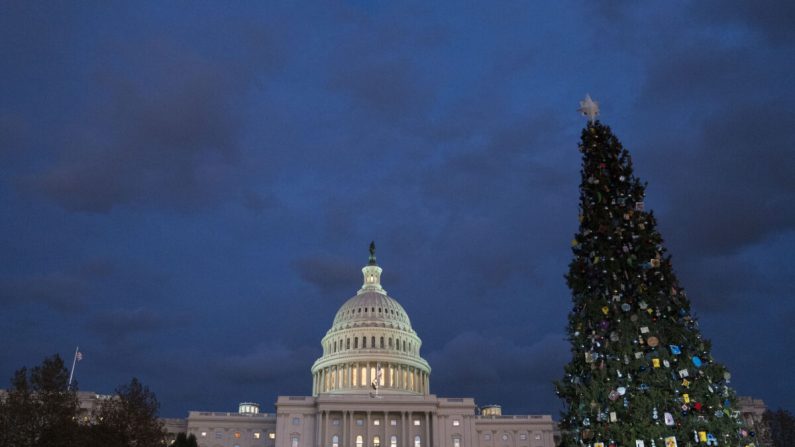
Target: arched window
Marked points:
417	441
294	441
391	344
359	441
335	346
347	343
335	441
404	345
364	342
376	441
355	342
373	341
382	342
393	441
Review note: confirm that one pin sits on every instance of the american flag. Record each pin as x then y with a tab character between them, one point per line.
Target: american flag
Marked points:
79	356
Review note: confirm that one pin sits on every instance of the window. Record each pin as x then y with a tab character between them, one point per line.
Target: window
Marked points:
393	441
393	422
335	422
456	422
355	342
335	346
456	442
538	437
296	421
523	436
417	441
372	341
364	342
376	421
504	437
360	422
272	435
335	441
219	435
487	436
416	422
256	435
294	441
382	342
376	441
347	343
204	434
359	441
237	435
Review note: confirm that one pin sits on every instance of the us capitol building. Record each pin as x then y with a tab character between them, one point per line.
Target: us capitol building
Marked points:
370	388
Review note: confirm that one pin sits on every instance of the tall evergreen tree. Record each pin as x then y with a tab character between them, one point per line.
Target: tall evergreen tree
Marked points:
641	374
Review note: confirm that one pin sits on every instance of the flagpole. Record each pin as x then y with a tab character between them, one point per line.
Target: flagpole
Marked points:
71	374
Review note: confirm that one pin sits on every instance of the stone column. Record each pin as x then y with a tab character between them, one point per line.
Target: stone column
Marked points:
428	429
322	436
325	431
367	442
406	423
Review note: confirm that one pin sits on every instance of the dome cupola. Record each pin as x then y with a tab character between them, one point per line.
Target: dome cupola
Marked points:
371	346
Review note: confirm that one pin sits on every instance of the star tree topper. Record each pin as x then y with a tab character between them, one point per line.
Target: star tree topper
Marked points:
589	108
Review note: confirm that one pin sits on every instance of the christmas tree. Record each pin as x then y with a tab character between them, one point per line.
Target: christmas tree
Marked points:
641	373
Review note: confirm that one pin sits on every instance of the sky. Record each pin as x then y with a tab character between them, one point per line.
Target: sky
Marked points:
188	189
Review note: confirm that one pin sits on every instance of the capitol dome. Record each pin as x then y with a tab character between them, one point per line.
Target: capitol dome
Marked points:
371	347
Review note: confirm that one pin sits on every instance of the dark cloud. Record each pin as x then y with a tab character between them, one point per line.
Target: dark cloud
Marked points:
772	19
734	189
270	362
164	134
329	274
118	324
474	364
61	292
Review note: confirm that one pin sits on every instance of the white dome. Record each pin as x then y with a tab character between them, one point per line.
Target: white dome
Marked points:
371	346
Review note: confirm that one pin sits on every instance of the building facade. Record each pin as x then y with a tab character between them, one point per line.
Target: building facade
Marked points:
370	388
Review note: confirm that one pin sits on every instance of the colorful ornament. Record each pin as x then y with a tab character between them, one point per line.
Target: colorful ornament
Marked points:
670	441
669	418
696	361
675	349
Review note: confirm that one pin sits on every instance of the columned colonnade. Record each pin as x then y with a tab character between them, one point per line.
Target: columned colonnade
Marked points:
362	374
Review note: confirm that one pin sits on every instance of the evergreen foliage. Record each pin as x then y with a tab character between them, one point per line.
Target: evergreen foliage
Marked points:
641	374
